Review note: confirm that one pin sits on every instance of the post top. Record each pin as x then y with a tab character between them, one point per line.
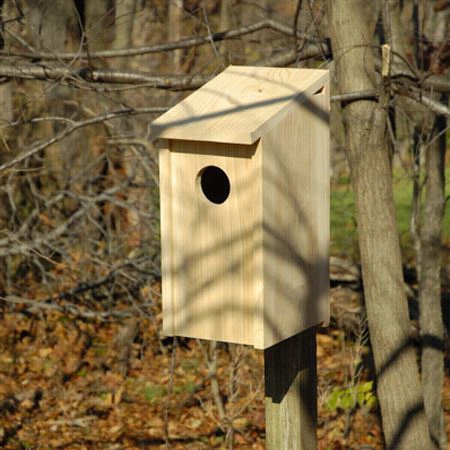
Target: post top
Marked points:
239	104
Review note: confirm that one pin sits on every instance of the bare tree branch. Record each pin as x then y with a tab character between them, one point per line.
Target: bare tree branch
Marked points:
432	105
183	43
438	83
67	308
411	76
310	51
73	126
438	108
352	96
42	72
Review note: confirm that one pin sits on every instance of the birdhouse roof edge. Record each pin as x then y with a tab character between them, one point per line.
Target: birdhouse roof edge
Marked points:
233	119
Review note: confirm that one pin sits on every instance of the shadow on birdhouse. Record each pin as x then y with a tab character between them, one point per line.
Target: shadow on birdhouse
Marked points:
244	178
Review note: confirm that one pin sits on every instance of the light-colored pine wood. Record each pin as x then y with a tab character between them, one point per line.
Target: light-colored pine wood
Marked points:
238	105
254	269
211	253
296	220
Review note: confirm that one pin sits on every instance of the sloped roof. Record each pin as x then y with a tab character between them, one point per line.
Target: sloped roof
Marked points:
238	105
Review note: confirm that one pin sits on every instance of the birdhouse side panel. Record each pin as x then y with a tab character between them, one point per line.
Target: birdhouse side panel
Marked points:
213	253
296	220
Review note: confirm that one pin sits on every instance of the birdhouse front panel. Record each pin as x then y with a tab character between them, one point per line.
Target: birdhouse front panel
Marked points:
211	220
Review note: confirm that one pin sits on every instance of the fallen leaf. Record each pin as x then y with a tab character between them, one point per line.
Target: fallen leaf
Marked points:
118	395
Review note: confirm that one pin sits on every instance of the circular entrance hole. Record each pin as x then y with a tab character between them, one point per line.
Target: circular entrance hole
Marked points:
214	183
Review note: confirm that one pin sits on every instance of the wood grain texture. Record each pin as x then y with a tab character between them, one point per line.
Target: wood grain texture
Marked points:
253	269
291	393
296	220
239	105
211	253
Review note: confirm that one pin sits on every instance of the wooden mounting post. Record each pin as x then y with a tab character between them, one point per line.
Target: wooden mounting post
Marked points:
291	393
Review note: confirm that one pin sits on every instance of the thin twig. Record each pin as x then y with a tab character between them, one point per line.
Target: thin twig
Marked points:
295	24
433	105
73	126
183	43
170	392
68	308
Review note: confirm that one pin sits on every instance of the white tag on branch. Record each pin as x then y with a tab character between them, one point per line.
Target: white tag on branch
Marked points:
386	60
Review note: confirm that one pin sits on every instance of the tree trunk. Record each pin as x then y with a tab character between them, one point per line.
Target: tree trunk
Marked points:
99	24
48	24
224	24
129	222
433	209
395	36
125	15
6	115
394	33
398	383
430	317
175	17
6	106
47	21
6	112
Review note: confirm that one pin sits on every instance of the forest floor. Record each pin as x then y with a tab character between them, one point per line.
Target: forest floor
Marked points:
69	382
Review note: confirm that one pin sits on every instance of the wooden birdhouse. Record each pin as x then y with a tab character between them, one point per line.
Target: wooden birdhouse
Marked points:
244	179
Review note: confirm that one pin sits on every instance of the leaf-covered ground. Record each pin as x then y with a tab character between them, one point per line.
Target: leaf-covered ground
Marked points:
68	382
